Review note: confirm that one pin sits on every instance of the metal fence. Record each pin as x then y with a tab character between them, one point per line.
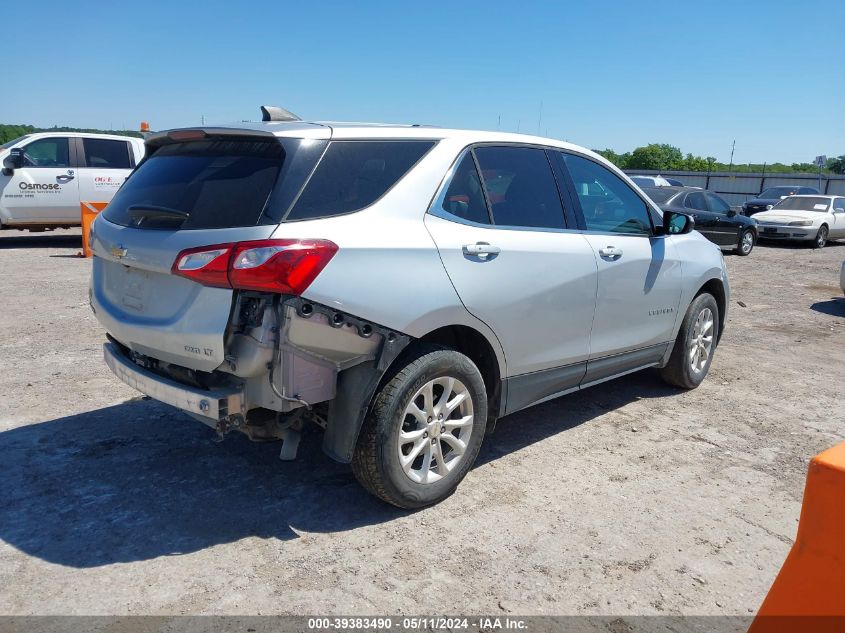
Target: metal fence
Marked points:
737	187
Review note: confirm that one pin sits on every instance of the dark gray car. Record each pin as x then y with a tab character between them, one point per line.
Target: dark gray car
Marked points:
714	218
771	196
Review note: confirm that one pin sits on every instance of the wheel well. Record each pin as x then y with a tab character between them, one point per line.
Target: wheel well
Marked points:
715	288
473	344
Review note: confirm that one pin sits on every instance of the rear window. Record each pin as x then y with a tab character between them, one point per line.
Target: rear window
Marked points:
659	194
200	185
354	174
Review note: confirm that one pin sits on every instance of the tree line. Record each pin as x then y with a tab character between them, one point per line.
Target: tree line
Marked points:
665	157
10	132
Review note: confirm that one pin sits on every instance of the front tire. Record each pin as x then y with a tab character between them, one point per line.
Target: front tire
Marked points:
424	429
821	237
695	344
746	243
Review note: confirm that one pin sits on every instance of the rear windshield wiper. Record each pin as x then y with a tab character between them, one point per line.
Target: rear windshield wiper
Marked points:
141	212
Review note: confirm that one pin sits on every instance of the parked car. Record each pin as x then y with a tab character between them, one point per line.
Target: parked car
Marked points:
651	181
714	218
46	175
771	196
812	219
402	287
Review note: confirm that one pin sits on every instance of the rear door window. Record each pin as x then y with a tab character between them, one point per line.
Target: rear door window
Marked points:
521	187
106	153
696	201
200	185
354	174
464	197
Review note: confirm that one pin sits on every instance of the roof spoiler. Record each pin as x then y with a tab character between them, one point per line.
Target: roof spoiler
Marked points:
273	113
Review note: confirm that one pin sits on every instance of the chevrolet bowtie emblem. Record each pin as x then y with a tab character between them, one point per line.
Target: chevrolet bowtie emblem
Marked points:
118	251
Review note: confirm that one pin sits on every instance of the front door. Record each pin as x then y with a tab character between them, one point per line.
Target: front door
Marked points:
45	189
639	273
516	266
726	232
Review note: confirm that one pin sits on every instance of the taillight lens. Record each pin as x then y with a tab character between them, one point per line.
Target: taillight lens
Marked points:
208	265
282	266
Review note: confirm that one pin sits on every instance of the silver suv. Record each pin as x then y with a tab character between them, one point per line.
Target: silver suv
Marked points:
401	287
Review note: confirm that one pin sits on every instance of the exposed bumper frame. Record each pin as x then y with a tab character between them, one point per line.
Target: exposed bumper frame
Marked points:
213	405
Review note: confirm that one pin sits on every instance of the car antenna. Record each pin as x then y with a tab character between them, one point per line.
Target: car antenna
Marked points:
273	113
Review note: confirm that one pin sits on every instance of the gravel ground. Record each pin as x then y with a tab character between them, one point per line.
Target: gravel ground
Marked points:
629	498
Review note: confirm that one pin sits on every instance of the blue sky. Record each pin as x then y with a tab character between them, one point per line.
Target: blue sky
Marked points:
698	75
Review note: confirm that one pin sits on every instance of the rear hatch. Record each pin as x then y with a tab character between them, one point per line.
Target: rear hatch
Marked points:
195	188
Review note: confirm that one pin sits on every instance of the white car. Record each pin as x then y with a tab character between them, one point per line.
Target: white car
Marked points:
651	181
809	218
46	175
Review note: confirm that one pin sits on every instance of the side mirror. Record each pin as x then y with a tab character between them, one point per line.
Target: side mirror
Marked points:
731	213
677	223
13	161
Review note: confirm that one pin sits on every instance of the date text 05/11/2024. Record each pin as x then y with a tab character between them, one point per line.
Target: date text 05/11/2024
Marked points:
417	623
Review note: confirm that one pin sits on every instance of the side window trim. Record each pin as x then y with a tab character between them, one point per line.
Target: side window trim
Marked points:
480	176
569	207
582	222
565	189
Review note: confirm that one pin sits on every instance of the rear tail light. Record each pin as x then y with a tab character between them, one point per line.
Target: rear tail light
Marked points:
282	266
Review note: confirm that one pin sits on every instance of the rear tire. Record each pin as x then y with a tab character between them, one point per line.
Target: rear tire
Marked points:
746	243
695	344
418	442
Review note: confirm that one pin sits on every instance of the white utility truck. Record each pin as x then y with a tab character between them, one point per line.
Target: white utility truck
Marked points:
46	175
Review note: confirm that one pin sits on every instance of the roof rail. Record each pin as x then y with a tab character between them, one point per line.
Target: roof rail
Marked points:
273	113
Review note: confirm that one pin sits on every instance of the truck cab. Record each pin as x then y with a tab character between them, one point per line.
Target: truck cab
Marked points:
46	175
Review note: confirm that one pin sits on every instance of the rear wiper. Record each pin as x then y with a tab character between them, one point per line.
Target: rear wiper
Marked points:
140	212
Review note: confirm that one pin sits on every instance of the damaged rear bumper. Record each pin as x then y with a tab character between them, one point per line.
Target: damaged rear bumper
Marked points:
210	405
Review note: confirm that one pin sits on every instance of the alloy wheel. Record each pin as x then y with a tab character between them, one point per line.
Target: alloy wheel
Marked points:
436	427
747	242
701	343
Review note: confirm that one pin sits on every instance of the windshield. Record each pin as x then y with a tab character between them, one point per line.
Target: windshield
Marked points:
796	203
8	144
777	192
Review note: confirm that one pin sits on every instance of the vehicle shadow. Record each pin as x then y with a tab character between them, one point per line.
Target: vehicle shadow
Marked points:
140	480
834	307
40	240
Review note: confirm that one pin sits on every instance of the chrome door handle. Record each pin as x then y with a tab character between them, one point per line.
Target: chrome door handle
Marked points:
65	178
610	252
482	250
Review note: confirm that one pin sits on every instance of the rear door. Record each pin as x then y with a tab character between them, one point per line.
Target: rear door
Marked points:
639	273
517	266
46	188
103	166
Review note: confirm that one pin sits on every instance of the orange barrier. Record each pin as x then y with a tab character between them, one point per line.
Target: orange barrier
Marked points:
89	211
812	579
